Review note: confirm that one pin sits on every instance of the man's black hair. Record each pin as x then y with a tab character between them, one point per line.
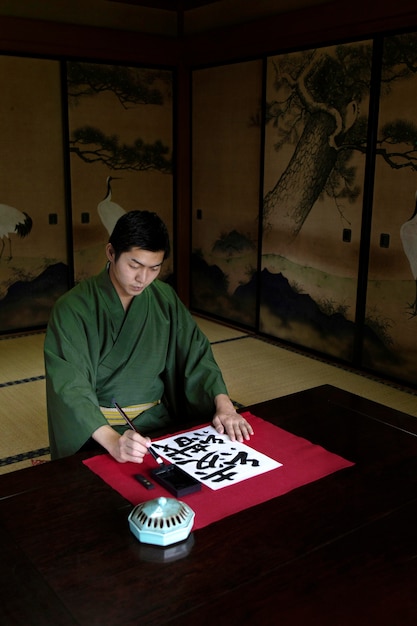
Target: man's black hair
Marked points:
140	229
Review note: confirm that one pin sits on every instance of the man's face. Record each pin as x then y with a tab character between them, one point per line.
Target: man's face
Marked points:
133	271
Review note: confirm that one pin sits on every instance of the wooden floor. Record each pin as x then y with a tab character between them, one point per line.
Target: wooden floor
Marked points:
254	370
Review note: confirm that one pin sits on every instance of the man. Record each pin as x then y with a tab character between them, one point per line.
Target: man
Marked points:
124	336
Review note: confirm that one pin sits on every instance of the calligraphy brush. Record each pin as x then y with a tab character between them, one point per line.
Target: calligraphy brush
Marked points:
132	426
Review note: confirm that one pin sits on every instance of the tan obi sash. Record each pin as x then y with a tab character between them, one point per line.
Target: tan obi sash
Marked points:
114	418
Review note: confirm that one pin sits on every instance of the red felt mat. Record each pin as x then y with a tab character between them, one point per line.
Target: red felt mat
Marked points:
303	462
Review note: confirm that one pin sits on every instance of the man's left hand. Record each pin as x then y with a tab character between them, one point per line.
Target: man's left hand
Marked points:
228	420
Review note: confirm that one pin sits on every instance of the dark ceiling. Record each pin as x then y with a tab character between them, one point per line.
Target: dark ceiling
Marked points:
168	5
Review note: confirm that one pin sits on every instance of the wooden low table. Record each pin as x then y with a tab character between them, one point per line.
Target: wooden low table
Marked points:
338	551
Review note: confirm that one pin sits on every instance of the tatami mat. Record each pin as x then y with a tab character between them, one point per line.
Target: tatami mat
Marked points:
21	357
254	370
217	332
22	418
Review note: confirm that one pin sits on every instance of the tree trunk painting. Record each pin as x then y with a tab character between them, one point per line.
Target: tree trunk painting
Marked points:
315	141
316	103
305	176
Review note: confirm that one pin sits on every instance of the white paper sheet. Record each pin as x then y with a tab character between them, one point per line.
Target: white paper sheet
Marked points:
213	459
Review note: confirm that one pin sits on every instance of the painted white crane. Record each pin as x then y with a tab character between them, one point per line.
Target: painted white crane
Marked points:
109	211
13	221
408	234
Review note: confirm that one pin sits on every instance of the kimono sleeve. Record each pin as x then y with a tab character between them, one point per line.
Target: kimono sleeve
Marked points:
192	377
70	364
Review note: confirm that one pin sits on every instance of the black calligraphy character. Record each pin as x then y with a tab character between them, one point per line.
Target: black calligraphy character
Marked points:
241	458
213	439
209	460
184	441
221	475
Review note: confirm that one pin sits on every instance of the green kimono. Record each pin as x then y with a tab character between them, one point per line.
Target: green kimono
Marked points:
96	353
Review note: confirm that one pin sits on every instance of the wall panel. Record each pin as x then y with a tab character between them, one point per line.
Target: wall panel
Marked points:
391	304
225	190
121	146
33	234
